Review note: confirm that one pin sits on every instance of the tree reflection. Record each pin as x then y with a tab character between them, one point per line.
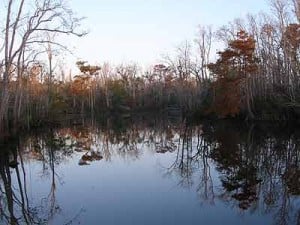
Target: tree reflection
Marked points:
192	163
253	168
15	206
258	167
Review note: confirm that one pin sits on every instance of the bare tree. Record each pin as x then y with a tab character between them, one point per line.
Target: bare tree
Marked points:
204	43
295	5
26	23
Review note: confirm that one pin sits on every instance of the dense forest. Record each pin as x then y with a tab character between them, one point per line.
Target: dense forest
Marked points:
256	76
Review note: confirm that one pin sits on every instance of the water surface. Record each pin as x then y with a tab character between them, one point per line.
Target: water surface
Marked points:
152	172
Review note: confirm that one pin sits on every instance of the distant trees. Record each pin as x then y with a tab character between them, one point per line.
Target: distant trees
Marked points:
256	76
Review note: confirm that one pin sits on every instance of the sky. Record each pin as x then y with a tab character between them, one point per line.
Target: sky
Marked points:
124	31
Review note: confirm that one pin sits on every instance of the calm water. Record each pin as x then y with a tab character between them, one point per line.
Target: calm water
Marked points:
152	172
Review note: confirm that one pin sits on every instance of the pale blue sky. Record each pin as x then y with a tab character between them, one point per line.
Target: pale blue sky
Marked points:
142	30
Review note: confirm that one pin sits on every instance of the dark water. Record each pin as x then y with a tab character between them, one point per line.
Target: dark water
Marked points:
152	172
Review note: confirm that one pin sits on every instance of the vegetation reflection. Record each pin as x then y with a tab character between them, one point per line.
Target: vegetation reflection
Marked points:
253	168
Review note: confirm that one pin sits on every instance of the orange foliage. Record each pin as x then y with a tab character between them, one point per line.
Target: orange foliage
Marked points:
35	86
233	67
81	85
227	101
292	37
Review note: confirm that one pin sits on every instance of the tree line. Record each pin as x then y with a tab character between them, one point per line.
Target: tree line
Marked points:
255	76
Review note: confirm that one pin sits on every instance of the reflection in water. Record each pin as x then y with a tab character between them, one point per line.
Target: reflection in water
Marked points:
251	169
50	150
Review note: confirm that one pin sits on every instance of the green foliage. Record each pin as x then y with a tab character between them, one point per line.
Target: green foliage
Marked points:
119	95
58	105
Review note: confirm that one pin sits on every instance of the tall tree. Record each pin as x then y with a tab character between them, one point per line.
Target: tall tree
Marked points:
233	72
26	23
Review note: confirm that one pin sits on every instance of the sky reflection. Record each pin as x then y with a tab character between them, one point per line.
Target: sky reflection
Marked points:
163	174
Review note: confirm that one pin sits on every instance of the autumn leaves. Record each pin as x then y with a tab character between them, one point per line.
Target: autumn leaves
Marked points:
232	72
